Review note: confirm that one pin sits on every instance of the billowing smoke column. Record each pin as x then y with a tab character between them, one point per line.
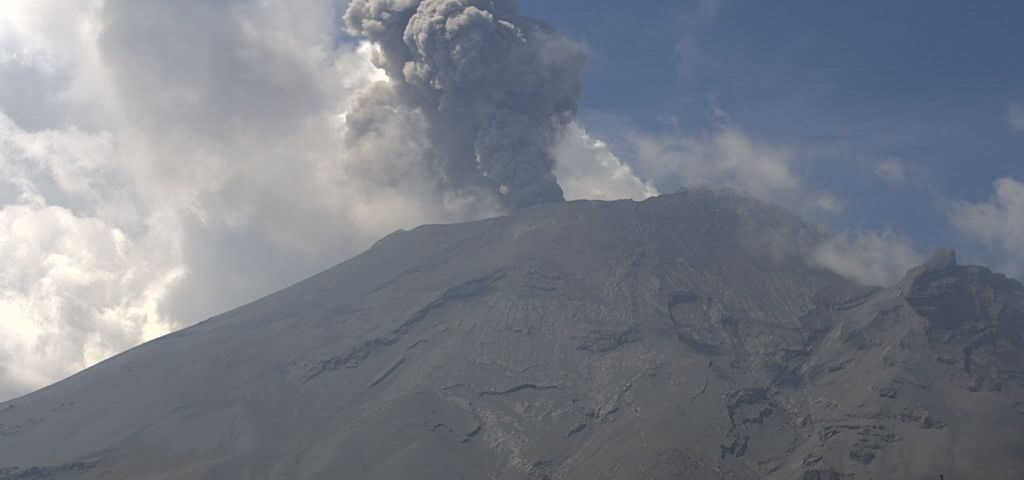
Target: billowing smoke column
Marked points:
495	89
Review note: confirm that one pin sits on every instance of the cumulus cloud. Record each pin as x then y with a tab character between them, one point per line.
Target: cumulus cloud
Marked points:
871	258
41	44
997	222
77	291
76	288
229	120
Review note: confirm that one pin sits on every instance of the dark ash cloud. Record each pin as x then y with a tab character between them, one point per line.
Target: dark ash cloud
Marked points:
496	90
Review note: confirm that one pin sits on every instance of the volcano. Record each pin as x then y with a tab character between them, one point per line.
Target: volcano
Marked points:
685	336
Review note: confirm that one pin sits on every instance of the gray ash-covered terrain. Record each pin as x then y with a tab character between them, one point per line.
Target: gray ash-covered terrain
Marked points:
684	337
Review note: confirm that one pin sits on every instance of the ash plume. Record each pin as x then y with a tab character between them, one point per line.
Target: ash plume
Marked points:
494	87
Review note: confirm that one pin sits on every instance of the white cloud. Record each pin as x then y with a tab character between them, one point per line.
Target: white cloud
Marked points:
998	222
587	168
43	43
727	157
871	258
81	284
690	56
1016	118
75	290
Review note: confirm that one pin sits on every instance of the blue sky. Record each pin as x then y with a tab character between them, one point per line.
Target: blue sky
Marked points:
850	84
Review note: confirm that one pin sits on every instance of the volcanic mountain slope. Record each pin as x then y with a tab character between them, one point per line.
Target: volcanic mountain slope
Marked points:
681	337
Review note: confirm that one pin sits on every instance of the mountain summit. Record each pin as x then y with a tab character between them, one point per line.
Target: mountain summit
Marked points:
685	336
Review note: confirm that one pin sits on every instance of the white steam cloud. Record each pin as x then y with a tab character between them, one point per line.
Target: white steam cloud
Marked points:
871	258
588	169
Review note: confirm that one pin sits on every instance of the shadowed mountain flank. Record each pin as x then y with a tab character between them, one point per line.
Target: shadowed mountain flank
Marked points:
686	336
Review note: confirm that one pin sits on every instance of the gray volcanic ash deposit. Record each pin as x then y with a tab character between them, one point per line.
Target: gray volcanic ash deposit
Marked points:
681	337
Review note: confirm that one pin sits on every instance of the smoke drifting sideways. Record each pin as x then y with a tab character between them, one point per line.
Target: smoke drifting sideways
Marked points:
495	89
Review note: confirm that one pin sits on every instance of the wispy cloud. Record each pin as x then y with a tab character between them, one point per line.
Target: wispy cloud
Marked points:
727	157
690	56
830	203
898	172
